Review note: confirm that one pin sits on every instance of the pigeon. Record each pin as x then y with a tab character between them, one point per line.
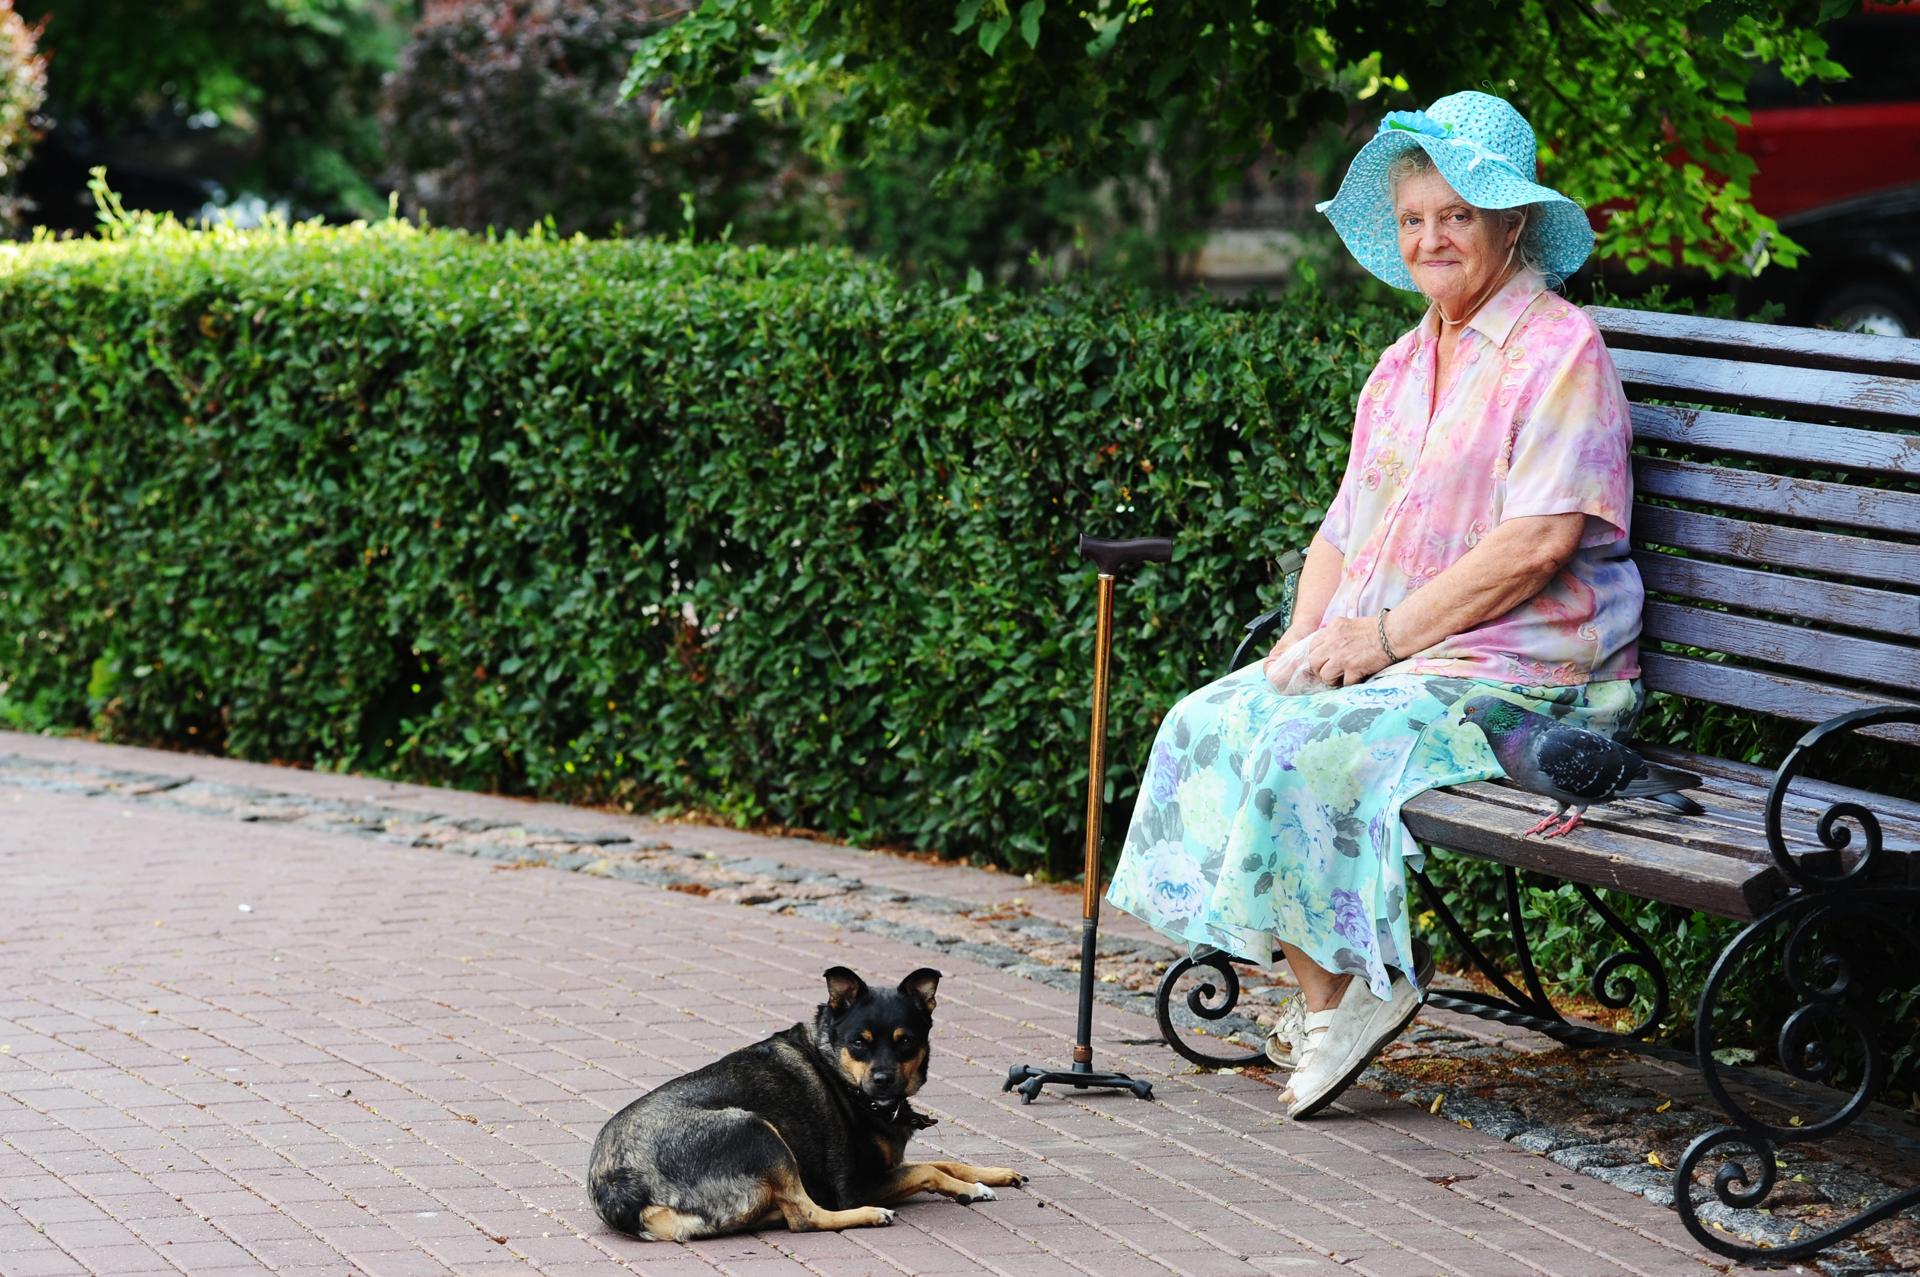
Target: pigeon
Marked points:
1574	767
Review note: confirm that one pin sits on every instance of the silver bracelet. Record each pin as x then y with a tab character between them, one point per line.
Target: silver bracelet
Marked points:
1380	628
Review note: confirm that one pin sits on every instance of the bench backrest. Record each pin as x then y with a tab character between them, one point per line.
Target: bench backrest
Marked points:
1787	545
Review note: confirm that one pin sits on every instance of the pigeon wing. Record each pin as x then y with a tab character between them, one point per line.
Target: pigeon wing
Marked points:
1587	766
1658	780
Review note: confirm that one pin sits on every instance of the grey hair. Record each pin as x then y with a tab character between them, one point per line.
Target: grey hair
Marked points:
1530	250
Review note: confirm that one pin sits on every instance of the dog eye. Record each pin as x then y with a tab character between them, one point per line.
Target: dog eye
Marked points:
857	1049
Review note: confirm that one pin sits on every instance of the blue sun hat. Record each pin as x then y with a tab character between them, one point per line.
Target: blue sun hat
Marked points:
1486	152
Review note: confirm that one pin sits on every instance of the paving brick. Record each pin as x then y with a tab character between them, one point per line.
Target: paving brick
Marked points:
400	1263
1208	1263
42	1263
216	1253
1298	1265
1480	1261
120	1260
73	1235
57	1210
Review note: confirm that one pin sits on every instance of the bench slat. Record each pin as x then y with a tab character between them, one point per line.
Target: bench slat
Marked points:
1734	822
1834	655
1738	539
1834	447
1854	606
1469	817
1774	343
1716	860
1740	818
1727	775
1810	499
1729	827
1765	693
1849	395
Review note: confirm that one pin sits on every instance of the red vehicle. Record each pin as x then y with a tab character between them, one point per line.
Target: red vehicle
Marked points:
1823	143
1839	170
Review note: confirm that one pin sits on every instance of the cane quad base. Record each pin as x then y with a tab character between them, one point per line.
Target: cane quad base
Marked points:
1028	1080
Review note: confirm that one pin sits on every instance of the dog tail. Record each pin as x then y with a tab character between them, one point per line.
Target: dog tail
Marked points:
620	1195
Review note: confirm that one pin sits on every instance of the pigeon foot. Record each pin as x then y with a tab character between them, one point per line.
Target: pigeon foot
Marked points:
1565	828
1542	824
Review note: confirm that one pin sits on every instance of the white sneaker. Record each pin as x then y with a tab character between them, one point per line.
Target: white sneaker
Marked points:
1342	1040
1284	1039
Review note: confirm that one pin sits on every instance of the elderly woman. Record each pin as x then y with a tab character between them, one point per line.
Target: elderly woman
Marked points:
1478	544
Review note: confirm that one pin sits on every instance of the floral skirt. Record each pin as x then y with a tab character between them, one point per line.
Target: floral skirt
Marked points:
1265	817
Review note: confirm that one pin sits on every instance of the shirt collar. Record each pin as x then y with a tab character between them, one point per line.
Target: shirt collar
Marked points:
1497	319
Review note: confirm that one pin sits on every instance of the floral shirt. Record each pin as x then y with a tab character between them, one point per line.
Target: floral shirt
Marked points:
1534	422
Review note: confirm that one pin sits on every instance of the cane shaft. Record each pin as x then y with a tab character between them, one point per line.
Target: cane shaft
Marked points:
1097	748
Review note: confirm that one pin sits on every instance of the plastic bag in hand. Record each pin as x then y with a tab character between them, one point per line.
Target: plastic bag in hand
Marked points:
1291	672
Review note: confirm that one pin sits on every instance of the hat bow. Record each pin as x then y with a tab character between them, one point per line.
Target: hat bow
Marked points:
1421	122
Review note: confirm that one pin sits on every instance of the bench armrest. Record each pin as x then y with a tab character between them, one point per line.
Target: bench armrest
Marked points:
1826	869
1267	624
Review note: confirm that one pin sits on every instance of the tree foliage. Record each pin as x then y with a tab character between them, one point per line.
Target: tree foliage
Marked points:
291	83
505	112
1635	101
23	86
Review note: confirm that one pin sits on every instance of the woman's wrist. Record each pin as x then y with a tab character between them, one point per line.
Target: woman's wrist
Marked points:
1386	642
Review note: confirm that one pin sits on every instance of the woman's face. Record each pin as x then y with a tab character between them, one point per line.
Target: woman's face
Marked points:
1453	250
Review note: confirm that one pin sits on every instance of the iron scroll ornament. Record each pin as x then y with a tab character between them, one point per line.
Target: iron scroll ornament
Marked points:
1207	1002
1824	870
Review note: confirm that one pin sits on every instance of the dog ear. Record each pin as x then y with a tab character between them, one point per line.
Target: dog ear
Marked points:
920	986
844	988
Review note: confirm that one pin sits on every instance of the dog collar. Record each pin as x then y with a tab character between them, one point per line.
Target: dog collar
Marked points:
899	1113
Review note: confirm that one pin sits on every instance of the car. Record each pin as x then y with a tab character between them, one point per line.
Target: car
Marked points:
1838	168
1826	142
1861	271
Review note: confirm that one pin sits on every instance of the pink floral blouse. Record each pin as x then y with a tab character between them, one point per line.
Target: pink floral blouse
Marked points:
1534	423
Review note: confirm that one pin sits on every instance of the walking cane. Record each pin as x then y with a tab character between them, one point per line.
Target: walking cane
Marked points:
1111	557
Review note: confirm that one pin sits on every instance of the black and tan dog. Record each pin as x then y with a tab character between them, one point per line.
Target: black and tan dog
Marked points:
809	1126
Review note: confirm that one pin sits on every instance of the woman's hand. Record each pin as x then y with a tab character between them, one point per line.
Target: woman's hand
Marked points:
1347	651
1286	640
1344	652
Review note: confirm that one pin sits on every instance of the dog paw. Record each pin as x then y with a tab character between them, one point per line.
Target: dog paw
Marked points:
1002	1176
980	1193
886	1216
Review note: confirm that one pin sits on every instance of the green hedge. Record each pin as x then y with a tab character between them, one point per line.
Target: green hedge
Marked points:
767	533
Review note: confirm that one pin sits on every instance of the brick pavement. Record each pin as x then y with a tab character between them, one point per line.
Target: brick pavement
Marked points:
393	1062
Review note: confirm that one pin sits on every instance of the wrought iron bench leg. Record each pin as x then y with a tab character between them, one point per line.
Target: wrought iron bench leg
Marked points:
1530	1007
1834	935
1835	1017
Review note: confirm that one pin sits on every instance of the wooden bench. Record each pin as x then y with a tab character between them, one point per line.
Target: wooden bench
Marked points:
1781	555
